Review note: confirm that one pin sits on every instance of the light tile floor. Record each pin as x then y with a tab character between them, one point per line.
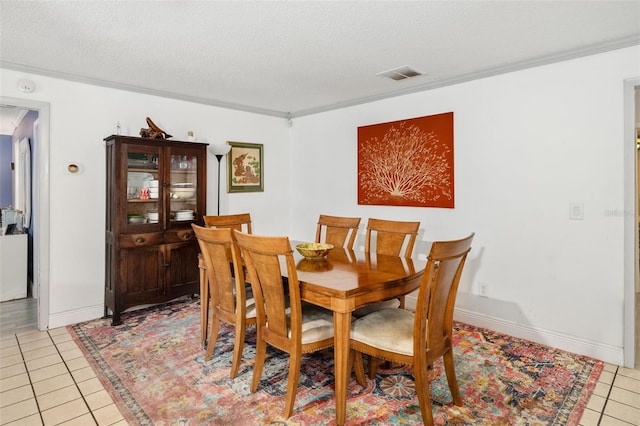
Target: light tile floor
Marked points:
45	380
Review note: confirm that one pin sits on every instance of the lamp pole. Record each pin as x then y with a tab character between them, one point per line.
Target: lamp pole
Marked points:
219	150
219	157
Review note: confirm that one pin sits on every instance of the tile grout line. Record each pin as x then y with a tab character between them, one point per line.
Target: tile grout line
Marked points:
35	397
26	368
606	400
74	381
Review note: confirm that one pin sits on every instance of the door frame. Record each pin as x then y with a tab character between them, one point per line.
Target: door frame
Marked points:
41	204
631	250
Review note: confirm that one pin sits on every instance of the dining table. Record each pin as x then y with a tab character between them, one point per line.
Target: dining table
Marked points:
345	280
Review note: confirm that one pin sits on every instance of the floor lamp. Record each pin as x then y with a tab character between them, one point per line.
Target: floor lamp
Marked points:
219	150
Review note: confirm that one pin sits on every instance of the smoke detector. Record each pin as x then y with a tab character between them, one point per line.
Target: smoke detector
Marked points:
26	86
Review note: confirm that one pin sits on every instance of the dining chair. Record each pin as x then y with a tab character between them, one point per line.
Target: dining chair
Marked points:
303	328
229	299
387	237
339	231
418	338
241	222
390	236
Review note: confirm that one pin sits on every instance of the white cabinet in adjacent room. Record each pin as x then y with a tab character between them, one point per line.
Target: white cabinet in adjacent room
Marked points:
13	267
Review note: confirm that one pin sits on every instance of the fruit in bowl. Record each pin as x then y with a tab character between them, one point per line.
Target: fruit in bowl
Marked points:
314	250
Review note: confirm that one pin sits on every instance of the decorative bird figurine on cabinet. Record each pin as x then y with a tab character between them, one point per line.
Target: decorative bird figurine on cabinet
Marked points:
154	132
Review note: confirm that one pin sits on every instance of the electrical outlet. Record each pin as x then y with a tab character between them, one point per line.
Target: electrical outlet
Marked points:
483	290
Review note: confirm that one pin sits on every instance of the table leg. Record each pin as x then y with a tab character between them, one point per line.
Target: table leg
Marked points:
342	330
204	302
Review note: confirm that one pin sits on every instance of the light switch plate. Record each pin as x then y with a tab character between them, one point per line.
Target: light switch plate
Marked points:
576	211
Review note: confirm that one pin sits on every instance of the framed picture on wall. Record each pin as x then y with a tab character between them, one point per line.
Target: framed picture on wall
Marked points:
407	162
245	169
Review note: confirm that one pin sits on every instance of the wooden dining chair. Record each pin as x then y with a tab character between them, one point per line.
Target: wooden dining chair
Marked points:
336	230
419	338
301	329
387	237
241	222
229	300
390	237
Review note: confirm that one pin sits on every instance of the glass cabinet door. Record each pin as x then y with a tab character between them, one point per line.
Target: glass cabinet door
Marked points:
144	192
183	185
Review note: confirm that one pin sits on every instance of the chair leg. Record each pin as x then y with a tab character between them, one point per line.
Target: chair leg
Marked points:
373	366
213	337
424	393
238	347
401	299
355	360
292	383
261	352
451	377
204	306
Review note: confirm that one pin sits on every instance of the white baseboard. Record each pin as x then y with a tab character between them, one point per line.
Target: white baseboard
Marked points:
607	353
62	319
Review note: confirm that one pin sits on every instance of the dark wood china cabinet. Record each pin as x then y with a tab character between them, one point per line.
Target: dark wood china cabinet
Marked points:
156	189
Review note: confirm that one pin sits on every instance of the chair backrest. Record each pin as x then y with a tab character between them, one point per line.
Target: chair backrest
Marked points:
221	253
241	222
263	257
437	296
391	236
337	230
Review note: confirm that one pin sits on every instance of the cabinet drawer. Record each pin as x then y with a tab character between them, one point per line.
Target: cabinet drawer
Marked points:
180	236
137	240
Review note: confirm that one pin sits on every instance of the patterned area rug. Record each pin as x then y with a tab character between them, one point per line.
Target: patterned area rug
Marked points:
153	366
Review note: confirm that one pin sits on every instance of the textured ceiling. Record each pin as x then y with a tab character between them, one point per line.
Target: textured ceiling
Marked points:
300	57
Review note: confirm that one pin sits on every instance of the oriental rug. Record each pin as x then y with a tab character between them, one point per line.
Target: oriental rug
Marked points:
153	366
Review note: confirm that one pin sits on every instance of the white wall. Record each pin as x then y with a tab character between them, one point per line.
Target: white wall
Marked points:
527	144
81	116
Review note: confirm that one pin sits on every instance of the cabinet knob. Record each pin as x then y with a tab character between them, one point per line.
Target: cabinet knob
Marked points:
186	236
166	265
140	240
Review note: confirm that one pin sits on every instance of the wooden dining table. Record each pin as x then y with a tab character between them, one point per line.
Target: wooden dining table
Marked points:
344	281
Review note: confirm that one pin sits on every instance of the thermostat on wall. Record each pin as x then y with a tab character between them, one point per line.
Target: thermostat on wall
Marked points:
75	168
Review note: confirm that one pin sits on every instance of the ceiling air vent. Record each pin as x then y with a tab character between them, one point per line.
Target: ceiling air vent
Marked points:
400	73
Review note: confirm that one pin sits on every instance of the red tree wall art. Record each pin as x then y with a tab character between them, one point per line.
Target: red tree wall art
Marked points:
407	162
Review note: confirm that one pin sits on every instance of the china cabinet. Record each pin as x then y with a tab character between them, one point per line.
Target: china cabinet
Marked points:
155	190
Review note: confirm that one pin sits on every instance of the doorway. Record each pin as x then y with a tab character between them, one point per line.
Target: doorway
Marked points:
41	204
631	211
636	297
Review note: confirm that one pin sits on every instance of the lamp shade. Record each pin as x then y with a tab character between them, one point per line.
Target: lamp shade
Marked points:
219	148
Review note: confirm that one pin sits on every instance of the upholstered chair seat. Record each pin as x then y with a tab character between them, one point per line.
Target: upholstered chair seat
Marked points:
317	324
387	329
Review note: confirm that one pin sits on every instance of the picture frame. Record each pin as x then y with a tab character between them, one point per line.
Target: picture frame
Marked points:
407	162
245	168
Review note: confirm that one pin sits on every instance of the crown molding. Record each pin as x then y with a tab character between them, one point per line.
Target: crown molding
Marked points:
545	60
